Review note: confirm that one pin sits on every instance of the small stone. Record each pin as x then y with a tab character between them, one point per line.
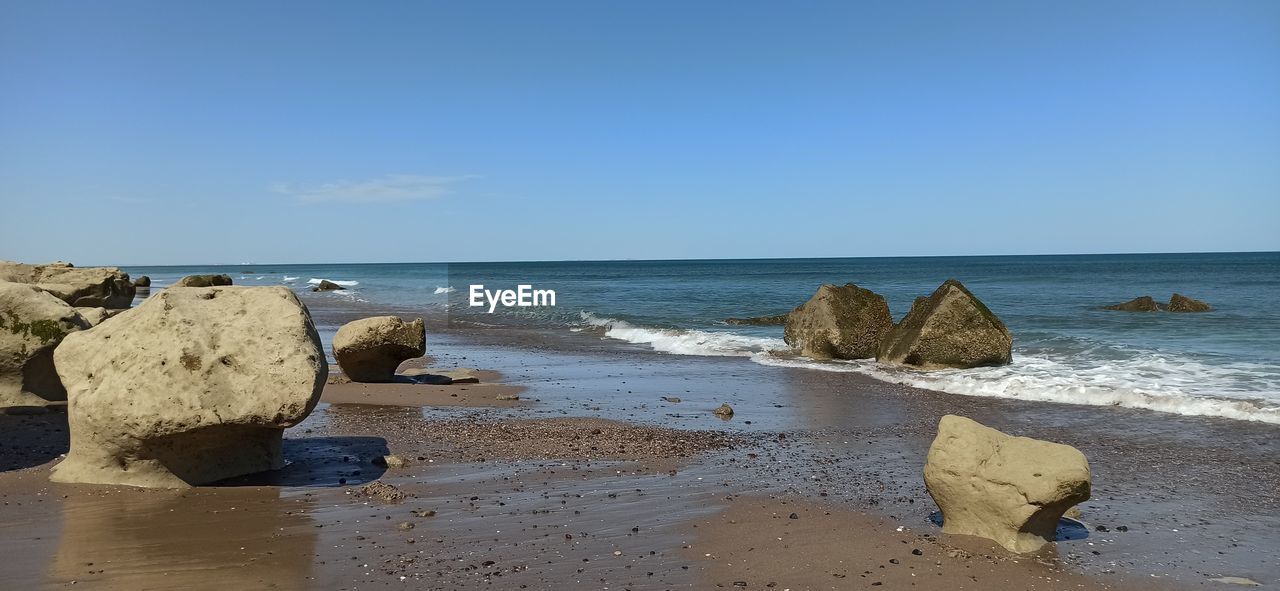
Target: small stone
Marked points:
405	526
671	399
391	461
724	411
793	516
917	552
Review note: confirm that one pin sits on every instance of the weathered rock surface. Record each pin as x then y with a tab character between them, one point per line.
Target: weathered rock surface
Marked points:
778	320
32	323
193	386
142	281
1012	490
950	328
204	281
91	287
1142	304
839	322
95	316
370	349
1181	303
326	285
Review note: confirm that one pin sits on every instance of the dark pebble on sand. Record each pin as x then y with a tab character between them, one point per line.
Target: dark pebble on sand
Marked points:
794	516
893	561
1101	528
917	552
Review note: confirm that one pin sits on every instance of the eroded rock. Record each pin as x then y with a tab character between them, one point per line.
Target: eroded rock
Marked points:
91	287
950	328
839	322
32	324
204	281
1181	303
370	349
1139	304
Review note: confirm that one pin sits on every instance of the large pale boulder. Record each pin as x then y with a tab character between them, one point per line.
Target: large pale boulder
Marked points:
370	349
1181	303
193	386
839	322
203	281
1012	490
950	328
91	287
32	323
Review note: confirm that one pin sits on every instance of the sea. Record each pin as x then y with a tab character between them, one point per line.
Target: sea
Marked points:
1067	349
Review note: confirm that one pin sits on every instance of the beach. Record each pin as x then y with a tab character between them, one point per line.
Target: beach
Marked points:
603	466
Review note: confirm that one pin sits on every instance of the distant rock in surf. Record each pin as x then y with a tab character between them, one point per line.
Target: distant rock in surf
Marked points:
1141	304
370	349
1012	490
839	322
184	390
1181	303
950	328
204	281
778	320
326	285
32	324
93	287
142	281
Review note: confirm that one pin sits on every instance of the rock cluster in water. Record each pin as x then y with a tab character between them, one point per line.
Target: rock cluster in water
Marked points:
1177	303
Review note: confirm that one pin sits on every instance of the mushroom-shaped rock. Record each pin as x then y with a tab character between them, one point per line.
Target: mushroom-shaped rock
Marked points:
950	328
204	281
32	323
839	322
193	386
1181	303
92	287
370	349
1012	490
1141	304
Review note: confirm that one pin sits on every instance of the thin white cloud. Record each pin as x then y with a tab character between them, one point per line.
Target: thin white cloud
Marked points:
396	187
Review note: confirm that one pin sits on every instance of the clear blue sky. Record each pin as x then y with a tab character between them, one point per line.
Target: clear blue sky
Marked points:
208	132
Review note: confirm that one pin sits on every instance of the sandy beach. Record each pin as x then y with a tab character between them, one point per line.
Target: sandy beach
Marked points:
582	463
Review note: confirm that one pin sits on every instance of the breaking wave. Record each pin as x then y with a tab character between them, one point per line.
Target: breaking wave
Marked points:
440	290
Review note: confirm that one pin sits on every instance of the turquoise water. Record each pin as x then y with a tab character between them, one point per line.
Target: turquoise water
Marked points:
1223	363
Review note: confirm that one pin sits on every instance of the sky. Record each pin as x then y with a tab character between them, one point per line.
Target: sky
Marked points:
276	132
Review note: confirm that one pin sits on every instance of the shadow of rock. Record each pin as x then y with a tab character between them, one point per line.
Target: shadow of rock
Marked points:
322	461
151	539
31	437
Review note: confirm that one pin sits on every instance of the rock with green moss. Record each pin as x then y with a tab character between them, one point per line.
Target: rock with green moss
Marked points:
92	287
839	322
32	323
950	328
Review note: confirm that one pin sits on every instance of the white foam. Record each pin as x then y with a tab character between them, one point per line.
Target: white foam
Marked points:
288	278
440	290
684	342
315	281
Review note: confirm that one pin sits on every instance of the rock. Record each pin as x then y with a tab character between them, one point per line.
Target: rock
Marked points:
32	324
671	399
508	397
204	281
1142	304
193	386
370	349
326	285
839	323
382	491
778	320
142	281
724	411
391	461
950	328
1012	490
90	287
95	316
1181	303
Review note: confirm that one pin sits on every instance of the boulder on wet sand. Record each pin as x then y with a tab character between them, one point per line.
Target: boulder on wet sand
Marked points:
1181	303
204	281
950	328
778	320
32	323
1142	304
193	386
370	349
1012	490
839	322
326	285
92	287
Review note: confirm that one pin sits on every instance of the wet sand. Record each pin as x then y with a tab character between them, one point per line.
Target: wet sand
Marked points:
597	478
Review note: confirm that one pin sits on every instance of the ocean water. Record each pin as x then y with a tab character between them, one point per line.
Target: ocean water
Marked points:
1225	363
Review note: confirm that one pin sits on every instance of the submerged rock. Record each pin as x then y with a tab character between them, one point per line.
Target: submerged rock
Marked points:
839	322
193	386
32	324
204	281
778	320
370	349
723	411
1140	304
326	285
1181	303
950	328
90	287
1012	490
